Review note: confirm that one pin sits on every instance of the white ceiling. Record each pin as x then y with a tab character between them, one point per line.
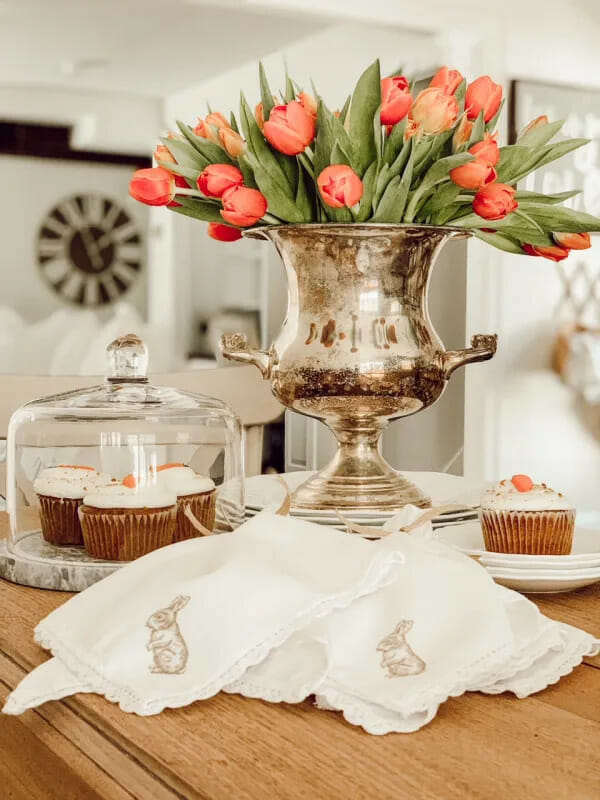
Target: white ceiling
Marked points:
142	47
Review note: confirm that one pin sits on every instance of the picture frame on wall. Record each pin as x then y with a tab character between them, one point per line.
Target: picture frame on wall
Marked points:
580	108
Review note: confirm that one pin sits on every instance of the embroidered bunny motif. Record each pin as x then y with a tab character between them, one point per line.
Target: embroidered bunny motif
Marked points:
167	645
398	657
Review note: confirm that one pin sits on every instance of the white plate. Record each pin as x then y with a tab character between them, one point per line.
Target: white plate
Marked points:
265	490
542	582
468	537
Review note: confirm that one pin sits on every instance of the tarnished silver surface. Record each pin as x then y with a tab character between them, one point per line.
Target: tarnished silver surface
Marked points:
357	348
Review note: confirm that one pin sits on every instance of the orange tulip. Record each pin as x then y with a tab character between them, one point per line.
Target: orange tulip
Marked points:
209	127
290	128
243	206
395	99
462	133
223	233
473	175
434	111
154	186
495	201
483	95
535	123
162	153
232	142
487	150
553	252
340	186
259	115
308	103
448	80
574	241
217	178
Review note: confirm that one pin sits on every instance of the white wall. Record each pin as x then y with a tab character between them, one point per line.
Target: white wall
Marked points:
519	416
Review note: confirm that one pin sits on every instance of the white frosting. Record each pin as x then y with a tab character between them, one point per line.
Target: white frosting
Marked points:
69	482
504	496
123	497
183	481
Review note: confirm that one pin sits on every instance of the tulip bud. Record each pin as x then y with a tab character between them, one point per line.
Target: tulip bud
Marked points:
340	186
243	207
535	123
259	115
308	103
223	233
218	178
232	142
162	153
483	95
552	252
448	80
289	129
495	201
473	175
462	133
487	150
209	128
395	99
434	111
574	241
154	186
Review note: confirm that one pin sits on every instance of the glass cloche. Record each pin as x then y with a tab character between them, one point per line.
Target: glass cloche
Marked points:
113	471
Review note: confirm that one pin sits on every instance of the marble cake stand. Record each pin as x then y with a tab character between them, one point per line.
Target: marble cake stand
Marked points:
34	562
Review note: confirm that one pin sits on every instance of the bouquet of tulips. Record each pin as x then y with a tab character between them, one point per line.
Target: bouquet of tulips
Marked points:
387	156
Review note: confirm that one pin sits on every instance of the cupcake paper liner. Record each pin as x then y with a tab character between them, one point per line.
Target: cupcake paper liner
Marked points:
203	507
122	535
548	533
60	520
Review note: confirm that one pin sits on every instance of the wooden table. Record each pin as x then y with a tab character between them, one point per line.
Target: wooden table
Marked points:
547	746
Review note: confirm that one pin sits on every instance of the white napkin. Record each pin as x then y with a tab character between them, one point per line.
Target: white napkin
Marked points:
282	609
178	624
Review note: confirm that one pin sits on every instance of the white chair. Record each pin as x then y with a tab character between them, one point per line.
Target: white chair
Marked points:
242	388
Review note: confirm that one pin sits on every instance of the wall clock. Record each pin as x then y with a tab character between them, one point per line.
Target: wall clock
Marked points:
89	250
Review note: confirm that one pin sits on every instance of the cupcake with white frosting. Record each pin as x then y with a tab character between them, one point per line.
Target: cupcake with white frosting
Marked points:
120	523
60	491
520	516
196	498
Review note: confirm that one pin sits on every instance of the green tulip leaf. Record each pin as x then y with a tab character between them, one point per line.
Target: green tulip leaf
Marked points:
491	125
198	208
344	109
279	202
541	135
303	202
266	95
395	142
536	197
501	241
559	218
186	155
189	173
478	131
365	208
366	99
212	152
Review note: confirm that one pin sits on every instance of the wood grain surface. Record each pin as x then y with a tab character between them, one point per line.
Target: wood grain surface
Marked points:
547	746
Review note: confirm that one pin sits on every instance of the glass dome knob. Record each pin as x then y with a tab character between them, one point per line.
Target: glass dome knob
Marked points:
127	359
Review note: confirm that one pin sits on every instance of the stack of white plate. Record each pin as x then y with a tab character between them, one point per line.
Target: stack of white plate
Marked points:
267	491
535	574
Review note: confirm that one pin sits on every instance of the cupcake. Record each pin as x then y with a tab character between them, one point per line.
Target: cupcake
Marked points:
194	492
120	524
519	516
60	491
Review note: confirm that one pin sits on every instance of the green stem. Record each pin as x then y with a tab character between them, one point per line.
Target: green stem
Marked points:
307	164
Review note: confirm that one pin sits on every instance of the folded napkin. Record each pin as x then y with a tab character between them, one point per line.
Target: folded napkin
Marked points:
282	609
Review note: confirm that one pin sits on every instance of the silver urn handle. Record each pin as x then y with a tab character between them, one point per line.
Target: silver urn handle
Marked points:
234	346
483	347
